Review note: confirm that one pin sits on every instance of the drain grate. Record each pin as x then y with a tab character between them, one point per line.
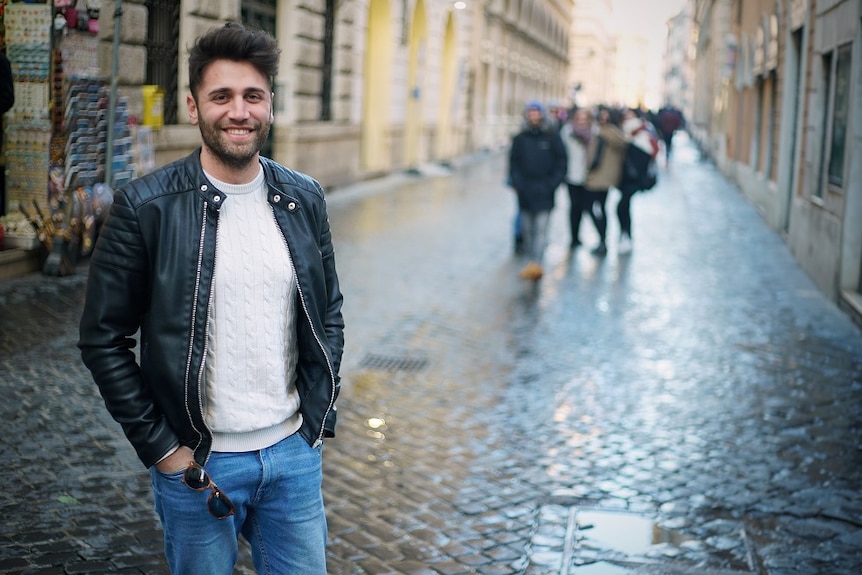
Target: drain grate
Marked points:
393	362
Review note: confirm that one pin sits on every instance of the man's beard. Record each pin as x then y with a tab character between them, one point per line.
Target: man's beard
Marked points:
232	155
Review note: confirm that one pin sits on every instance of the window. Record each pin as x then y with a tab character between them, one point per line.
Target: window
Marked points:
326	69
162	45
769	163
826	83
840	115
261	14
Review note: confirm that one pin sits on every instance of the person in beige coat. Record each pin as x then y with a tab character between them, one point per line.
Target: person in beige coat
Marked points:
605	157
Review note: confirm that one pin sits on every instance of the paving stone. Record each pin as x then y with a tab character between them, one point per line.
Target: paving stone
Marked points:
701	382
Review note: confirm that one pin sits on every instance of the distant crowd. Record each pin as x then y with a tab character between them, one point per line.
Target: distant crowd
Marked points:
591	151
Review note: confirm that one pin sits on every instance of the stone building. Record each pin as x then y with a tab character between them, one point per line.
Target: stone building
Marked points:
592	53
713	70
825	171
365	87
678	61
778	106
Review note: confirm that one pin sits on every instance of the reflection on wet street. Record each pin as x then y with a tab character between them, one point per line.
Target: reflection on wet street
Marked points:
691	407
700	384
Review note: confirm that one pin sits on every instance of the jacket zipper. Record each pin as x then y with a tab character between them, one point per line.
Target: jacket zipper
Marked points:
316	337
201	247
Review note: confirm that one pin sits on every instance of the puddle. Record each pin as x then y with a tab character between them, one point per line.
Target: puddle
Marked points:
600	568
624	533
580	541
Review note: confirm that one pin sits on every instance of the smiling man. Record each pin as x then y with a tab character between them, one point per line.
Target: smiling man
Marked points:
224	262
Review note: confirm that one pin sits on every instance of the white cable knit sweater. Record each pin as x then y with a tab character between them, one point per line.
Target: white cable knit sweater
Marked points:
252	401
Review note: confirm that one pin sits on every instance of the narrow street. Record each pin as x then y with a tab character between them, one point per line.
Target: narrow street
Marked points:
692	407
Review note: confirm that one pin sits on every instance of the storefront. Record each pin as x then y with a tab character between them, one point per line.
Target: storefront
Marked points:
57	133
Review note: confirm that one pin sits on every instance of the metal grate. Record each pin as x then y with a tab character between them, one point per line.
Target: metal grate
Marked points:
393	363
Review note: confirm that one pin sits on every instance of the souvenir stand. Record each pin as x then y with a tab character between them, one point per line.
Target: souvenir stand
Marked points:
56	133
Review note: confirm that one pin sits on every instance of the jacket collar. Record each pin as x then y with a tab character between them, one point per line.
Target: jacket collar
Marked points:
277	187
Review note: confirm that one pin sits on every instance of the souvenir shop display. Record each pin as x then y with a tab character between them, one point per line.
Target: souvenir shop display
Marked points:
56	134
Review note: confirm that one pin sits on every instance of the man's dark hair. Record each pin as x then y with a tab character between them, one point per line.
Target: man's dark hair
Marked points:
236	42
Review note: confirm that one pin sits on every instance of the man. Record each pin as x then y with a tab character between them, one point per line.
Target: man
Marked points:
670	119
224	262
537	166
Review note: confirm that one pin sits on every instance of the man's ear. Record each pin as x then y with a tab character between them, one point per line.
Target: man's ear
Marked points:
192	108
271	106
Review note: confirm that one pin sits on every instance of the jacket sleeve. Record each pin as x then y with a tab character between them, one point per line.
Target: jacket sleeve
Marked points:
561	160
117	298
516	178
334	319
614	137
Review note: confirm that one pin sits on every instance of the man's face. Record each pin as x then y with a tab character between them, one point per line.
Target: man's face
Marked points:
604	116
582	118
233	108
534	116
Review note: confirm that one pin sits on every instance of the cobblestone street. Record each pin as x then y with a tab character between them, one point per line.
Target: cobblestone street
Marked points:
691	407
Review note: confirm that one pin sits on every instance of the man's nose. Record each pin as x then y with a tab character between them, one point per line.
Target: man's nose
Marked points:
238	109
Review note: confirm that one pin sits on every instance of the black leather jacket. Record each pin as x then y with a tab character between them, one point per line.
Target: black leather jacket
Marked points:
152	269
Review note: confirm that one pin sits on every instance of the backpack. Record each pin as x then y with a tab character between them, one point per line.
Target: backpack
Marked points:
640	168
649	178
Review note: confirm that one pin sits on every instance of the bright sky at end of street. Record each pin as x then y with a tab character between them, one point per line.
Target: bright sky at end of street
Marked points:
648	19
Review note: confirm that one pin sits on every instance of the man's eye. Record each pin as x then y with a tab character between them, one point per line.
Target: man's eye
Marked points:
253	98
220	98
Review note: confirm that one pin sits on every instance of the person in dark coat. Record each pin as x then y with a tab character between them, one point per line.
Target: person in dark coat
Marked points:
670	119
537	166
638	162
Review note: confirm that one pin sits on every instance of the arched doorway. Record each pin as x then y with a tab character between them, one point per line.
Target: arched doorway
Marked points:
448	100
415	84
375	102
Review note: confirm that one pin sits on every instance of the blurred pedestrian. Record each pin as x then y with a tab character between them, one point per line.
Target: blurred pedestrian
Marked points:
670	119
605	158
537	166
638	162
577	135
557	114
224	262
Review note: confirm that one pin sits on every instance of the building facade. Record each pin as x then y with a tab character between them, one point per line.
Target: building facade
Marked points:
714	53
365	87
825	220
592	54
678	61
778	105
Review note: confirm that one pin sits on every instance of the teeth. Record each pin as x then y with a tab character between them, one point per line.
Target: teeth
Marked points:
238	132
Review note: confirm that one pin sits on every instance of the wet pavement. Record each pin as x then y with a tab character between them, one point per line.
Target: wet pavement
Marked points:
691	407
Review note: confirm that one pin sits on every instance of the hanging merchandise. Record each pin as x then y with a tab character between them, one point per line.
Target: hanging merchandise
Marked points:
56	134
28	123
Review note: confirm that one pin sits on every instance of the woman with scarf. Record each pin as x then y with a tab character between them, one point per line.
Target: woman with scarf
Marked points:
605	158
576	135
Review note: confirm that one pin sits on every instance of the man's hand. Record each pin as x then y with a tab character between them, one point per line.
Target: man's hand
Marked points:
176	461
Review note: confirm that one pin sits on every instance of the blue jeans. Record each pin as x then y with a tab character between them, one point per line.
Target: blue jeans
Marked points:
534	227
279	511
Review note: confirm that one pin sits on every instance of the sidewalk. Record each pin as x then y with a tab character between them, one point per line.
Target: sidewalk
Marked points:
692	407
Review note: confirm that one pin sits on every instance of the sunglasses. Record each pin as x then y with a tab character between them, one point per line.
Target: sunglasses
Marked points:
218	504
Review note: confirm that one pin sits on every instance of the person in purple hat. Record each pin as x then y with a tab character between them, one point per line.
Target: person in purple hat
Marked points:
537	166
